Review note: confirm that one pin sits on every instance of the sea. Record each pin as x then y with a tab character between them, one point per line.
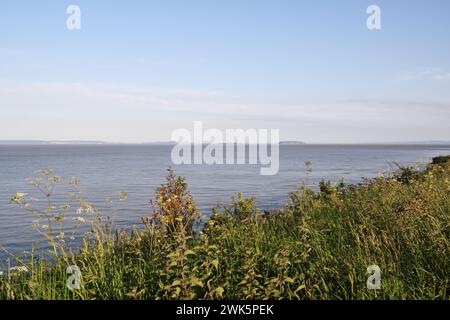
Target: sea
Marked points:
104	171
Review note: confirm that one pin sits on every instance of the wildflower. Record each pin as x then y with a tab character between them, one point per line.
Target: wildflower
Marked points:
17	198
85	208
156	214
89	209
65	207
19	269
80	219
123	196
73	181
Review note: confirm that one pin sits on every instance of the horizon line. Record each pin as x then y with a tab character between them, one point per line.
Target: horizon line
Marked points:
285	142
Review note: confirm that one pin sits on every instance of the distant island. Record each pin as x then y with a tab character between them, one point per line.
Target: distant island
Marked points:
291	142
77	142
95	142
44	142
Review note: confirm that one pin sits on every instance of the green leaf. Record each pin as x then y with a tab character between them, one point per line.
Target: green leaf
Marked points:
289	279
215	263
300	287
196	282
176	283
219	292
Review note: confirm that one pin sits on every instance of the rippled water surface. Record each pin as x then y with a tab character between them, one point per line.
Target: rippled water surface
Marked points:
105	170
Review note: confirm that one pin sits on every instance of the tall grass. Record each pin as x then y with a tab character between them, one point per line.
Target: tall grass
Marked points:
317	247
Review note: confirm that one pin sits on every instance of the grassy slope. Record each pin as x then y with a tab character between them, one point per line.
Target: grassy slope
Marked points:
317	247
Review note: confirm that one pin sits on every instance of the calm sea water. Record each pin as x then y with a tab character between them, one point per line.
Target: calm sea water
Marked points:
105	170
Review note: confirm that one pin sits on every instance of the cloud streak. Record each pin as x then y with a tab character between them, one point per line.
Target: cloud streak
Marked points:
426	74
138	114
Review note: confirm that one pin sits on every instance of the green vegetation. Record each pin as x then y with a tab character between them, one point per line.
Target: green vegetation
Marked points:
317	247
441	159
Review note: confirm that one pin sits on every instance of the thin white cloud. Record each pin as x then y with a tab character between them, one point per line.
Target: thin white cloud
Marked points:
442	76
137	114
426	74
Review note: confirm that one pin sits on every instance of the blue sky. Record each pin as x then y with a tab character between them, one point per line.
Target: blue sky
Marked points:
137	70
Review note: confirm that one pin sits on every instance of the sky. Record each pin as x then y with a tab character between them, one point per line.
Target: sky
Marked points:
138	70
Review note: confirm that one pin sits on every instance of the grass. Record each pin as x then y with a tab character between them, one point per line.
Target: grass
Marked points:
318	246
